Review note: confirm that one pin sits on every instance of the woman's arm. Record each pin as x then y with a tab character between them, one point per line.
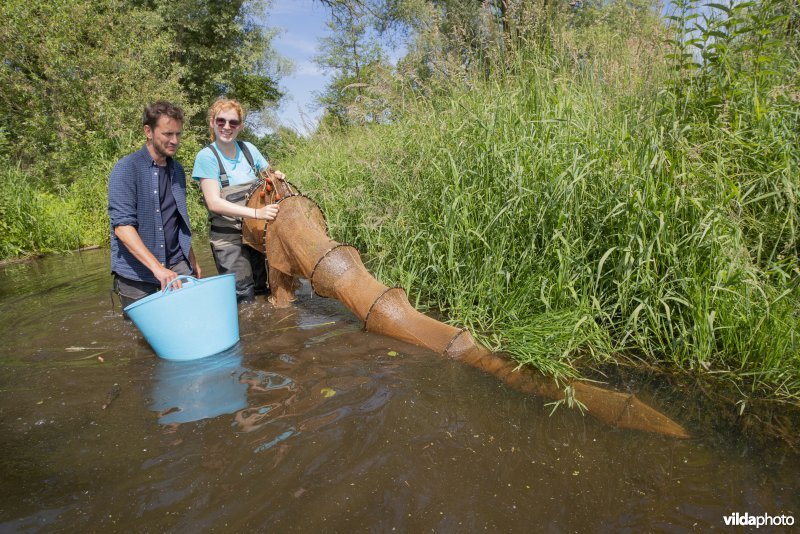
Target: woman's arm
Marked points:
220	206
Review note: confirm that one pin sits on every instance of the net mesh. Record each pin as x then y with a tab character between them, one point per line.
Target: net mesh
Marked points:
297	245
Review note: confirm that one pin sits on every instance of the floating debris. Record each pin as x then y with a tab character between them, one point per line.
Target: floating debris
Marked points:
80	349
112	394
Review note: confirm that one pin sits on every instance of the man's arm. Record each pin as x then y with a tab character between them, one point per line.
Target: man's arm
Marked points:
122	197
130	238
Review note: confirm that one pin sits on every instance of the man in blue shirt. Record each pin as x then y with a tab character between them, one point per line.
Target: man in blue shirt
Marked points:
151	241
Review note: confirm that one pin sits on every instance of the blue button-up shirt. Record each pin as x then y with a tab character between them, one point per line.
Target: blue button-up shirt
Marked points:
133	200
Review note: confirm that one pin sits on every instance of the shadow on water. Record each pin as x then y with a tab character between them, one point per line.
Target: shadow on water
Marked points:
310	423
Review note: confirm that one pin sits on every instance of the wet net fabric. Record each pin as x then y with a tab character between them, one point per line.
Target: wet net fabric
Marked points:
297	245
394	316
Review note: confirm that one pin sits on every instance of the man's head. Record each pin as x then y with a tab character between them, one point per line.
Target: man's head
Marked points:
163	126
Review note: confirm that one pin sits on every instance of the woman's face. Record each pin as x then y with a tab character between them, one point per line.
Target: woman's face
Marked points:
226	125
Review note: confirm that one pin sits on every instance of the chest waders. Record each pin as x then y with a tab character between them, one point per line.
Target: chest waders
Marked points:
225	235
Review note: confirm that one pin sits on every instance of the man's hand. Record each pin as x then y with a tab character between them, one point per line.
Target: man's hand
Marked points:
130	238
165	276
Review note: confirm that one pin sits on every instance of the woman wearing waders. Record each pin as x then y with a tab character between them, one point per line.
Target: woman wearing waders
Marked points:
226	169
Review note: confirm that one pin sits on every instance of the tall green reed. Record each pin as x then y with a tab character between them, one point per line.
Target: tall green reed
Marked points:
32	220
560	220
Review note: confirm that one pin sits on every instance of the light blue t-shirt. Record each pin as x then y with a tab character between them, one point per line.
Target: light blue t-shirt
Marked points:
238	170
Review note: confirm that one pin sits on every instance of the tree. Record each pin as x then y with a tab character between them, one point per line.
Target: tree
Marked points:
75	76
221	51
355	58
454	35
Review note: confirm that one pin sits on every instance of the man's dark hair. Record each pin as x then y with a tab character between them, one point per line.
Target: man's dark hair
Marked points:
154	111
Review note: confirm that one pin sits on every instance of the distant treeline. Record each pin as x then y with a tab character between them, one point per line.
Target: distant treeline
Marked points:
74	79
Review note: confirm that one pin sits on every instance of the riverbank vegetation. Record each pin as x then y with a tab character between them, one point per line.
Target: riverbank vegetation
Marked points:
593	186
75	77
574	182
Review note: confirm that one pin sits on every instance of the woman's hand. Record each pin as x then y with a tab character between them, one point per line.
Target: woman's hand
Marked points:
267	213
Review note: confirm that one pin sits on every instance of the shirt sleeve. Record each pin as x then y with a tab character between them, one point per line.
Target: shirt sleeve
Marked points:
260	161
205	165
122	195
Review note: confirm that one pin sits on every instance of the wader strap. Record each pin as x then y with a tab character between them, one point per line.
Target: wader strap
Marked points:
224	230
223	176
247	156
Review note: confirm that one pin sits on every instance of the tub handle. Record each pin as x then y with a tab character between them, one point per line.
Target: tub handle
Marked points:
183	278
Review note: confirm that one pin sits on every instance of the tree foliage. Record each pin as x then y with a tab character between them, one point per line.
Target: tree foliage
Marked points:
75	75
443	38
356	59
220	49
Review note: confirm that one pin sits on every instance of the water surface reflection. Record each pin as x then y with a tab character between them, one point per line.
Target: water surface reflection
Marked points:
200	389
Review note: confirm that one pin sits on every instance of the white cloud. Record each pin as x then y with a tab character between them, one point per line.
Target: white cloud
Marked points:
308	68
300	44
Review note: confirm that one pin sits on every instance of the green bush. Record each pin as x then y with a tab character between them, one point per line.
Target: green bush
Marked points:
75	77
32	220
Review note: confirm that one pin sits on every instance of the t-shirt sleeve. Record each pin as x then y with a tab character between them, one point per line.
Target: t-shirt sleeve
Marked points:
260	161
205	165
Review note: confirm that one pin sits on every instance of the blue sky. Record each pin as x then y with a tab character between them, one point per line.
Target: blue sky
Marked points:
302	23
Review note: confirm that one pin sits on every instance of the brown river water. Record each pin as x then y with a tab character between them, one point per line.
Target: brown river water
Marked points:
311	423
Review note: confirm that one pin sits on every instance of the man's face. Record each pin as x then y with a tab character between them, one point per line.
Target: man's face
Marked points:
165	138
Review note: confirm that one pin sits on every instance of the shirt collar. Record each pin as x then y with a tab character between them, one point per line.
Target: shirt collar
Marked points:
151	162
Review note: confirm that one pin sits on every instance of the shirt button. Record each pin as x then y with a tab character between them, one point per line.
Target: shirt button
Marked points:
155	192
156	211
162	246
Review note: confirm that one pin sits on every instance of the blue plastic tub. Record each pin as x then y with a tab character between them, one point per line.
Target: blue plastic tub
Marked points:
195	321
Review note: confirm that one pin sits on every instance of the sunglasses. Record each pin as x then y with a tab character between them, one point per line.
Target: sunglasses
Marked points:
233	122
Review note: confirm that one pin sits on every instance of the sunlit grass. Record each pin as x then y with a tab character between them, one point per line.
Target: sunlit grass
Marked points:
560	222
38	217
